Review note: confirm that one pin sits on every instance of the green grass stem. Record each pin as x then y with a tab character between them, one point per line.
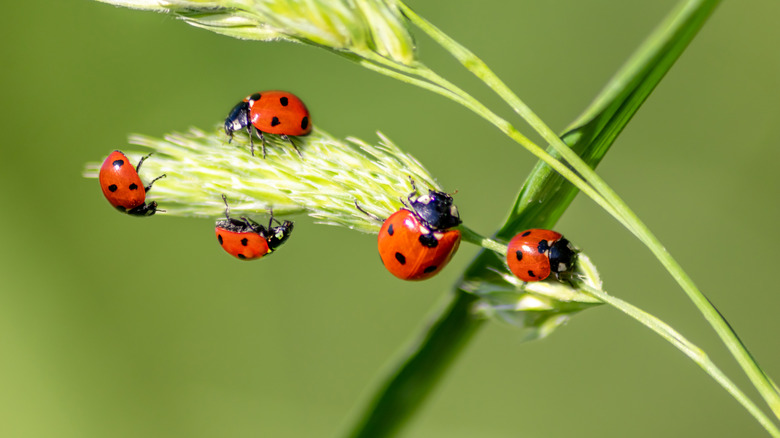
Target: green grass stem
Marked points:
679	26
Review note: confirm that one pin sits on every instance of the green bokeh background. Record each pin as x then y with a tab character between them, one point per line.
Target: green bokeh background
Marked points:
112	326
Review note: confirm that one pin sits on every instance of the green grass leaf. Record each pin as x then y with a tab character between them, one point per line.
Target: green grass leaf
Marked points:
542	200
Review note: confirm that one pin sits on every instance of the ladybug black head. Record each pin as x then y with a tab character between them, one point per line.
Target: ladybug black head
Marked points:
436	210
237	119
561	256
142	210
278	235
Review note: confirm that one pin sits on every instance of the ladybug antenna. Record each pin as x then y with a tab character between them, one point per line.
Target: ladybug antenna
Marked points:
141	161
227	207
293	145
414	187
372	216
147	188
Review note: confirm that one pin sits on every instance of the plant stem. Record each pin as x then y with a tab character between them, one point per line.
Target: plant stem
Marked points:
688	348
417	374
439	85
472	236
617	207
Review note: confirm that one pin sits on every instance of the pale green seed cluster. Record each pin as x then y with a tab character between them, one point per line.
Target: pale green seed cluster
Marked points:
539	307
363	27
325	182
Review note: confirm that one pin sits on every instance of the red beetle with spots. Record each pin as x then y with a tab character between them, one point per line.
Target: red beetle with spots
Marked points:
123	187
533	254
416	243
272	112
245	239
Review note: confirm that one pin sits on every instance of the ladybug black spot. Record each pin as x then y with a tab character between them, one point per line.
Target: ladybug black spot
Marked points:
219	237
304	123
400	257
275	121
531	274
283	101
133	186
242	257
429	240
255	96
390	230
118	163
112	188
244	241
526	233
519	255
543	247
430	269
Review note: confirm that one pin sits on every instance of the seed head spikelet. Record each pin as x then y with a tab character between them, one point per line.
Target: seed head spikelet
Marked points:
365	28
325	183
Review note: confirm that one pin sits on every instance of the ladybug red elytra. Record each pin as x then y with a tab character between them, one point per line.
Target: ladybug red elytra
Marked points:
122	186
245	239
272	112
417	242
533	254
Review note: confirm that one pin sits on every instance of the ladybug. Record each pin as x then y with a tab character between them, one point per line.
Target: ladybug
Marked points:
246	239
272	112
533	254
417	242
123	187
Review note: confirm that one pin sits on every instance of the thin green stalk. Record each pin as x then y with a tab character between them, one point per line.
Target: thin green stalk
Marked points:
449	90
688	348
617	207
471	236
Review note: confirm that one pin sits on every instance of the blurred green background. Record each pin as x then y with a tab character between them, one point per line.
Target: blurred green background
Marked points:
112	326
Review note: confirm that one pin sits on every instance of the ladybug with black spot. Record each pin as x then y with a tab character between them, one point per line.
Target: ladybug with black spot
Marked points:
417	242
245	239
122	186
533	255
271	112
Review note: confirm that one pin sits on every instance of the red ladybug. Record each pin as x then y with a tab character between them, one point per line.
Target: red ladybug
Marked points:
246	239
533	254
123	187
416	243
273	112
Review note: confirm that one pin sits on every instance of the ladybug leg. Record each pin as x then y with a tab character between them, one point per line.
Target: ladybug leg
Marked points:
249	129
141	161
272	219
254	226
293	144
227	207
372	216
149	187
262	137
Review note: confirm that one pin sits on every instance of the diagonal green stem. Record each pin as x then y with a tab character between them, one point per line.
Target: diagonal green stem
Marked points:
439	85
689	349
692	10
